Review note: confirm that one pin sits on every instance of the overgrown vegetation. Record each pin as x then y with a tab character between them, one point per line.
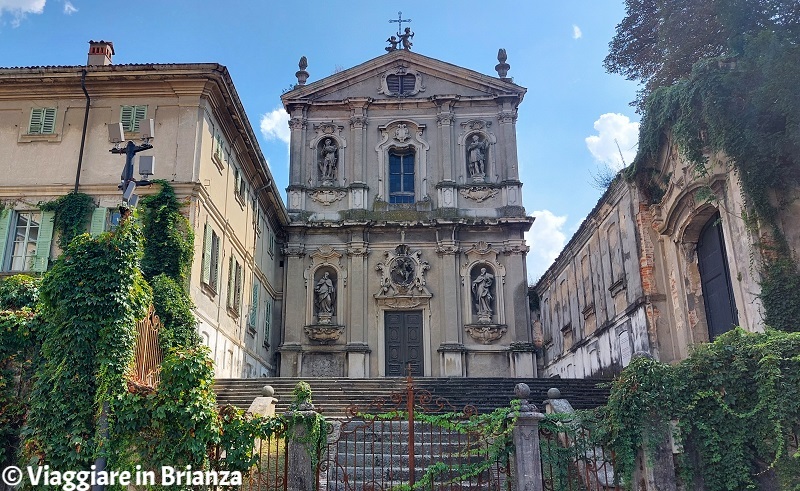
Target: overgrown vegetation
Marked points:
71	215
19	329
170	240
737	404
726	91
90	300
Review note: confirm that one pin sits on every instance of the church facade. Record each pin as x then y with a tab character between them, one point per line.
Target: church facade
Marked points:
405	247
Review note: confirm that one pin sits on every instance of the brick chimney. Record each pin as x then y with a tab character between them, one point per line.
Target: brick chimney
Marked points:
100	52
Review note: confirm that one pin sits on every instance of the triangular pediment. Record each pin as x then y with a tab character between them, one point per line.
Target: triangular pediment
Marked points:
433	78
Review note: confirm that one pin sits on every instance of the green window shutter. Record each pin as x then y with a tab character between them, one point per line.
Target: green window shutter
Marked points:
253	315
126	117
206	269
37	117
49	121
42	257
98	224
231	280
5	218
139	113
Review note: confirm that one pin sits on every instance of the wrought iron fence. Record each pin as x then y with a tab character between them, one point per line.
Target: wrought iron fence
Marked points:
573	458
412	439
269	461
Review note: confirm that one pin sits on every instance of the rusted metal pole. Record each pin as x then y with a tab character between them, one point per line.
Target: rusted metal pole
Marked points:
410	408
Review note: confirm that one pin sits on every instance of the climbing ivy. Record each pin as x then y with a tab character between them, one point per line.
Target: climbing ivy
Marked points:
737	404
745	108
71	215
169	241
18	347
90	299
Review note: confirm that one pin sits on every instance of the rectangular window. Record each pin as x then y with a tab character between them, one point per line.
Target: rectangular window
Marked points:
210	264
267	320
218	150
401	177
25	235
271	249
234	286
130	116
252	316
43	121
239	185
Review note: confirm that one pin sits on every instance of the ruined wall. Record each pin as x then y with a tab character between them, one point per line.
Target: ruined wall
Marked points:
593	308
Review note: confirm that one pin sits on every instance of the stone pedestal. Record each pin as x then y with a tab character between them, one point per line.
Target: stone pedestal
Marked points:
300	474
527	455
358	360
264	405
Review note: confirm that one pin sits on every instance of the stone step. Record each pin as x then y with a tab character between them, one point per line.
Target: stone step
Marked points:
332	396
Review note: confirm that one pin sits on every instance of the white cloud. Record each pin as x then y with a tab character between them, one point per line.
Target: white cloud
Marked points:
546	238
69	9
576	32
614	129
20	8
275	125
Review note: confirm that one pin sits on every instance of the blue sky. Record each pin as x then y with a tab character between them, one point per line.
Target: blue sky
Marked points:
568	123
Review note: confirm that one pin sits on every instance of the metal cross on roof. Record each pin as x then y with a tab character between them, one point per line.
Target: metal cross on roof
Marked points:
400	21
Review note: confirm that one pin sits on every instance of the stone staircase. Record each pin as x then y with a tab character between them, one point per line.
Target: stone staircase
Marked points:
367	455
375	455
332	396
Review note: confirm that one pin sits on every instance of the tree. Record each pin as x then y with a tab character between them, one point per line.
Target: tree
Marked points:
659	41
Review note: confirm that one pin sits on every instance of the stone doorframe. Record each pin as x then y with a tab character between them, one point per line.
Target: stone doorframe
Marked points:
388	304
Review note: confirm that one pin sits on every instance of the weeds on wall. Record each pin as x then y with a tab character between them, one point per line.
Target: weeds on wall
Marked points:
71	215
737	406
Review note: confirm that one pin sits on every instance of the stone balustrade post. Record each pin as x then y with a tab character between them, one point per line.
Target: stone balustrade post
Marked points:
527	455
264	405
301	472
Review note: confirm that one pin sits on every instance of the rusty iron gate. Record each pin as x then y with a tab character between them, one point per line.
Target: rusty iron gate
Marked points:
573	461
270	452
391	443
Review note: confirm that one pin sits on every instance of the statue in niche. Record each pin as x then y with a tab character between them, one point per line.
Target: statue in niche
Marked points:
477	157
327	165
324	293
406	38
482	295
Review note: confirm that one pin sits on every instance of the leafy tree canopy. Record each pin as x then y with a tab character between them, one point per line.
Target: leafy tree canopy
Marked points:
659	41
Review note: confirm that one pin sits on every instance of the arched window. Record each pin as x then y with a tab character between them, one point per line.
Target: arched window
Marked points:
401	176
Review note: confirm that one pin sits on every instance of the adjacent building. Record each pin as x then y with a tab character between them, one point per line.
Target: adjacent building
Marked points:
659	265
55	140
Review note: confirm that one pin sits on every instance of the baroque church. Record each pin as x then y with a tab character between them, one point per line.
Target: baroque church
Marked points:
405	248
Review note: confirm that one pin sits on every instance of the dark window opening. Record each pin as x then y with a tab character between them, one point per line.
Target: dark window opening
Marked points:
401	177
401	84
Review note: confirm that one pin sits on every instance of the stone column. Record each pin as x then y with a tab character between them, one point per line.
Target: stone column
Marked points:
527	456
294	320
357	340
452	349
358	156
297	171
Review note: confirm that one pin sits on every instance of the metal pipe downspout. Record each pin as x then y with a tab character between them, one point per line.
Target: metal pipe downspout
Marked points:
83	134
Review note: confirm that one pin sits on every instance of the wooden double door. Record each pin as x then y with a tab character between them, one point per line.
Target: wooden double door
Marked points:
712	260
403	342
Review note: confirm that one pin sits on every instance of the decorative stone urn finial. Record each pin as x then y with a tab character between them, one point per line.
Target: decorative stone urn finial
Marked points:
502	67
522	392
302	74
